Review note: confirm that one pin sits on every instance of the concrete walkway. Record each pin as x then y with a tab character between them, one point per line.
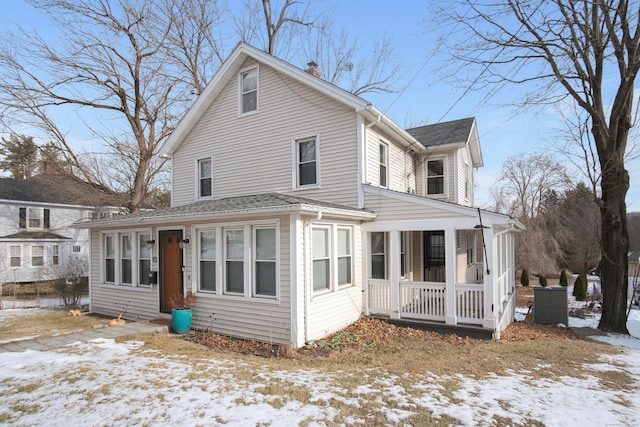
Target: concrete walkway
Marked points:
112	332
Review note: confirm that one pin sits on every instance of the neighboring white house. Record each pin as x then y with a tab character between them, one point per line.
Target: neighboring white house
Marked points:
298	207
36	239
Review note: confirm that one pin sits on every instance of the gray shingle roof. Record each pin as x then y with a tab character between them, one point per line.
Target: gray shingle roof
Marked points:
256	203
53	189
453	132
35	235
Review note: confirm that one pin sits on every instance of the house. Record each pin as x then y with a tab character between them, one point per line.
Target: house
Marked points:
36	237
297	207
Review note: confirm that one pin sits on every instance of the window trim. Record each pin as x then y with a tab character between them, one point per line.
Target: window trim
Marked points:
328	257
117	236
296	161
198	260
28	213
383	148
199	178
385	254
445	184
241	92
41	256
55	254
350	256
249	260
333	257
254	260
12	256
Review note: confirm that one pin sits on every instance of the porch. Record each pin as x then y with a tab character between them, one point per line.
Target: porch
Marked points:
468	291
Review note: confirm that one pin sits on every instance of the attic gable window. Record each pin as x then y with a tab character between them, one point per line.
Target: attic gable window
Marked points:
249	90
205	174
435	177
306	161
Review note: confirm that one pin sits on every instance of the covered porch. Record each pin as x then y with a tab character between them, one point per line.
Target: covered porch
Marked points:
449	274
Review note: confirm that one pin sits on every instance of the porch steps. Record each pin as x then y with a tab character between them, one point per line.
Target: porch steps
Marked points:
440	328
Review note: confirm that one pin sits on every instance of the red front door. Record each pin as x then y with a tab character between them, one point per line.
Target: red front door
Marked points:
170	268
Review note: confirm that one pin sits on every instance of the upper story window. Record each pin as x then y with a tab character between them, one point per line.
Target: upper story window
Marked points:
384	165
435	177
34	218
205	176
307	161
249	91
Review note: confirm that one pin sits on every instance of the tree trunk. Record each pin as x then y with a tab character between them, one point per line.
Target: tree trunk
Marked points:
615	245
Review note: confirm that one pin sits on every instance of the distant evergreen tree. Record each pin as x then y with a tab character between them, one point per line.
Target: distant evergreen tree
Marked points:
542	280
524	277
563	279
580	286
20	156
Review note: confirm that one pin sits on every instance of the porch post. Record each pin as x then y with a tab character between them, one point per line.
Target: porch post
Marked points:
489	280
450	276
394	272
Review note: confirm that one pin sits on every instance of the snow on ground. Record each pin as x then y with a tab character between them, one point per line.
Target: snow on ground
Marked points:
121	384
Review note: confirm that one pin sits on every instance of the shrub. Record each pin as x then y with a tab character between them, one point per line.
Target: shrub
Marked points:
563	279
580	286
524	277
542	280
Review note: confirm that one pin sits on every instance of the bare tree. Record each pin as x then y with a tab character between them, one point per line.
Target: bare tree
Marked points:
584	50
529	188
122	62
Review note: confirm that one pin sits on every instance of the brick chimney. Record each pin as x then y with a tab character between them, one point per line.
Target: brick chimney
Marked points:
312	68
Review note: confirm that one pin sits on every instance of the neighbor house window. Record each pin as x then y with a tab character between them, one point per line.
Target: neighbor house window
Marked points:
249	90
344	256
321	259
378	255
435	177
34	218
15	254
207	277
55	255
265	261
76	248
307	161
144	259
205	175
384	164
109	259
37	256
234	261
126	264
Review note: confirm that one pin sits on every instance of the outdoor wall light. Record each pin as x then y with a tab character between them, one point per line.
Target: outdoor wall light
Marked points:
149	243
183	243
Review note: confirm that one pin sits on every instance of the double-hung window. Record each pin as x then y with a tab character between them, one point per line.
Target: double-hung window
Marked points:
435	177
15	252
126	258
306	161
321	259
249	91
331	253
34	218
384	165
55	255
378	255
109	259
234	261
144	259
344	256
205	176
265	262
207	260
37	255
126	264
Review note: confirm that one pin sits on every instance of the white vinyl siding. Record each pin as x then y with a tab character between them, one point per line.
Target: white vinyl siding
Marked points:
253	153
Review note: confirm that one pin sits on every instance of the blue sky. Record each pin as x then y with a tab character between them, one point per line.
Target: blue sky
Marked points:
427	98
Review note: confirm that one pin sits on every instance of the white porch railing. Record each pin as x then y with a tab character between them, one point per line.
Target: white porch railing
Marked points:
470	303
422	300
379	296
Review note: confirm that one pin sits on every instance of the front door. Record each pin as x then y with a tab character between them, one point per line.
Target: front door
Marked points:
171	269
